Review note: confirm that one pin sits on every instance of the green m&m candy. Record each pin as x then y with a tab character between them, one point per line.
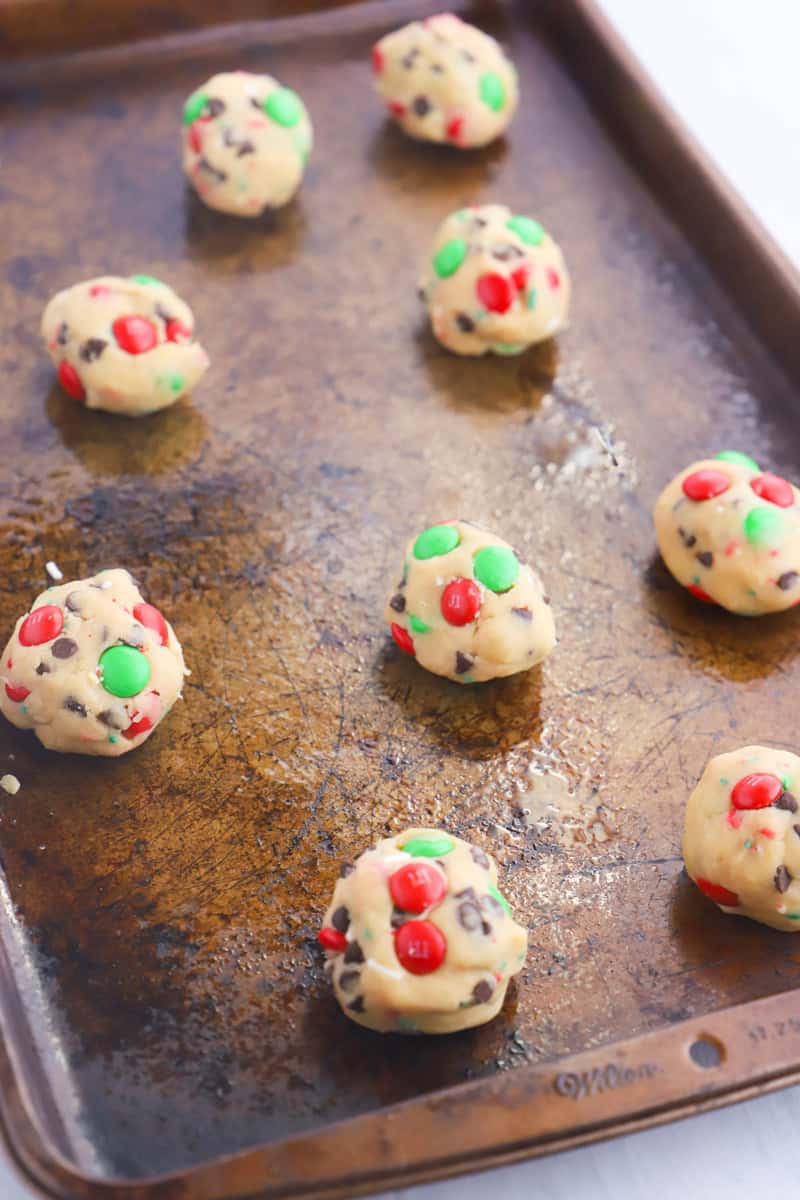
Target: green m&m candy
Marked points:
764	526
194	107
124	671
429	845
492	90
496	567
527	229
499	897
736	456
449	258
146	280
284	107
436	540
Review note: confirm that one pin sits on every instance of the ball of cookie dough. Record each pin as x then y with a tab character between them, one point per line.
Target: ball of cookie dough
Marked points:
741	839
466	607
495	281
246	142
730	533
445	81
92	668
419	939
124	345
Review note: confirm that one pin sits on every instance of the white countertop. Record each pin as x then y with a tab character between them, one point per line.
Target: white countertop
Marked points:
732	71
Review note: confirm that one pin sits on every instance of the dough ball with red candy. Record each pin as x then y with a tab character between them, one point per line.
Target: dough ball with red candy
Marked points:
92	668
495	281
123	345
741	839
445	81
418	937
730	533
466	607
246	142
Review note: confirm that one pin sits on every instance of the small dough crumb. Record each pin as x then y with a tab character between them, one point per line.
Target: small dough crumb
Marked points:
443	80
10	784
419	939
741	838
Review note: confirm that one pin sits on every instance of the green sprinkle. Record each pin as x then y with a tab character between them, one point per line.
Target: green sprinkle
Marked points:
429	845
724	780
194	106
417	624
406	1024
284	106
176	383
493	93
792	916
752	592
23	708
696	580
764	526
736	456
467	678
113	738
509	348
147	280
526	228
496	567
500	898
748	844
447	260
125	671
462	214
303	141
532	298
786	783
436	540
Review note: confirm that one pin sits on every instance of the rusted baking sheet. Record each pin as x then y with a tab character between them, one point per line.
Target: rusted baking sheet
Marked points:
166	1025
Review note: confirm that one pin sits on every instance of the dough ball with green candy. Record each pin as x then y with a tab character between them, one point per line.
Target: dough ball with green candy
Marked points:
123	345
466	607
730	533
418	937
246	142
92	668
741	839
445	81
495	281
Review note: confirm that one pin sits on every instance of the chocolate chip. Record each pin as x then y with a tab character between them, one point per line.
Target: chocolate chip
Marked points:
688	539
92	349
398	603
421	105
256	103
782	878
408	59
73	602
73	705
166	317
546	600
796	828
786	801
354	953
489	904
214	172
357	1005
64	648
466	894
468	56
505	252
245	147
398	918
787	580
479	857
345	870
114	720
524	614
479	222
341	919
348	980
214	107
463	663
63	334
42	669
482	991
468	916
706	558
465	323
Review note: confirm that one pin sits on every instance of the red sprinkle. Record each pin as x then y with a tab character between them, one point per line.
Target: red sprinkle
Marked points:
553	278
331	939
730	549
403	640
718	893
397	108
734	818
135	335
756	791
700	594
420	947
17	694
377	59
42	625
417	886
149	616
99	289
520	277
195	137
705	484
768	833
773	488
70	381
177	331
455	128
495	292
461	601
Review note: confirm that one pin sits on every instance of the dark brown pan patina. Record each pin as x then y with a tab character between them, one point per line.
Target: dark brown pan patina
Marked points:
166	1025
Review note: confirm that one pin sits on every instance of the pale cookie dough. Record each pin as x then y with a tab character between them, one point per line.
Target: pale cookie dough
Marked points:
730	533
124	345
419	939
741	840
495	281
246	142
445	81
92	668
467	608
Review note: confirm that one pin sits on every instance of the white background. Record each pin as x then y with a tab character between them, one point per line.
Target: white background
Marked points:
731	68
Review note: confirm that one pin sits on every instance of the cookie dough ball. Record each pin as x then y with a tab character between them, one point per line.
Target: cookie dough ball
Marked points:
124	345
246	142
741	840
467	608
92	668
495	281
445	81
730	533
419	939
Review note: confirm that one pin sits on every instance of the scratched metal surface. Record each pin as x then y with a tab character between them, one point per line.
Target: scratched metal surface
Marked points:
162	909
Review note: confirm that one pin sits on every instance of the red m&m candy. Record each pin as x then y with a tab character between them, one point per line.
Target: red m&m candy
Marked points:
177	331
520	278
756	791
331	939
553	279
149	616
403	639
420	947
773	488
417	886
461	601
377	59
700	594
195	137
705	484
495	292
17	694
135	335
70	381
455	128
42	625
718	893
